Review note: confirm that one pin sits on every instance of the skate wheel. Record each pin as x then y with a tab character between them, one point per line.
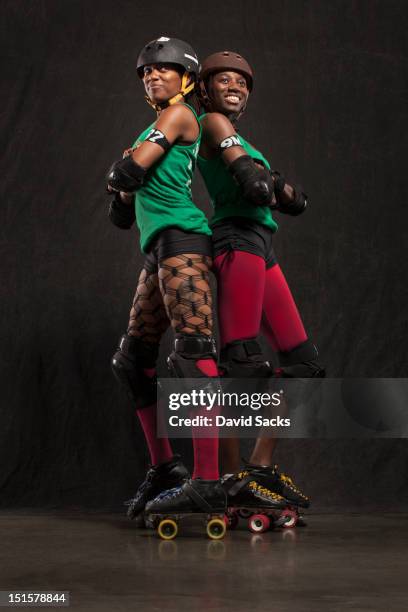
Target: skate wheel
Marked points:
291	518
167	529
231	520
244	513
216	528
258	523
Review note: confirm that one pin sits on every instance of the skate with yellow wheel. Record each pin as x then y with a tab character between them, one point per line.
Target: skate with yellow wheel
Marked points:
204	499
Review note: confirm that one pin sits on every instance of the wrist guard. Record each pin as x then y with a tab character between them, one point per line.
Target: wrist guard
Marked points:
293	208
298	205
126	175
256	184
279	182
122	215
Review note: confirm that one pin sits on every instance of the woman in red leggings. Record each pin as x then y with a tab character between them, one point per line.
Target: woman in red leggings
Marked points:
244	190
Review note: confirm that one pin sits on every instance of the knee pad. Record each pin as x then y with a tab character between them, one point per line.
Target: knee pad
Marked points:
132	357
244	359
301	362
188	350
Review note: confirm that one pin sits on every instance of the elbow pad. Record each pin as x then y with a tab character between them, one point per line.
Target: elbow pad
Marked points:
296	206
256	184
122	215
126	175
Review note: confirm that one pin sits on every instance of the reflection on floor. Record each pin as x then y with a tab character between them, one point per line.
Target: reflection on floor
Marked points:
338	562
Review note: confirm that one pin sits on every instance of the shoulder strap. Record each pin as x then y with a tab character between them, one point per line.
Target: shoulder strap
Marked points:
197	119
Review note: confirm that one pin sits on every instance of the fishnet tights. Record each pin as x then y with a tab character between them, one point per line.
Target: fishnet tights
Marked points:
148	317
185	287
179	294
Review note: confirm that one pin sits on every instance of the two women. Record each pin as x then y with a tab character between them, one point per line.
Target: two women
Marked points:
173	287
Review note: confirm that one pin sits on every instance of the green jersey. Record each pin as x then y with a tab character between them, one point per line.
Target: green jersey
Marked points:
225	194
165	198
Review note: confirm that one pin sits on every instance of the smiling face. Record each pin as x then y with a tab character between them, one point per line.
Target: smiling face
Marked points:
161	82
228	92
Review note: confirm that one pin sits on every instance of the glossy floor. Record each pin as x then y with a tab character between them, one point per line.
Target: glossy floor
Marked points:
338	562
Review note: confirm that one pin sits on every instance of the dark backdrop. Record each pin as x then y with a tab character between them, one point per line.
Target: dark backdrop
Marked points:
329	108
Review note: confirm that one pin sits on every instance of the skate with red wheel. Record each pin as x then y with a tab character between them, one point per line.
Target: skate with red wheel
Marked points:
248	500
283	485
202	499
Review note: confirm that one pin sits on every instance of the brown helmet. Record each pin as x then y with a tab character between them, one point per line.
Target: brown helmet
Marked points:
227	60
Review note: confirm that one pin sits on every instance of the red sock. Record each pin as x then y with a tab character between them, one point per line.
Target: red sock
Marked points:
159	448
205	449
205	458
208	367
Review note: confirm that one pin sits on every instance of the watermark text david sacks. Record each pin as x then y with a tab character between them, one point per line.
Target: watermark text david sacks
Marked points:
222	421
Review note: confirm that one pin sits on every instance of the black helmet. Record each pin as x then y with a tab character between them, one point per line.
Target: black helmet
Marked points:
166	50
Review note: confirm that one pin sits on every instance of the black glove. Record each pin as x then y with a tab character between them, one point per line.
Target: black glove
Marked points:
122	215
293	208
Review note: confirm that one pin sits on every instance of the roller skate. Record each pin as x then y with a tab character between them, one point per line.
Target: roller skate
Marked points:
268	476
203	498
158	478
249	500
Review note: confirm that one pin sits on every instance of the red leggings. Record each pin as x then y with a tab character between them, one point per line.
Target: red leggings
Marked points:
252	299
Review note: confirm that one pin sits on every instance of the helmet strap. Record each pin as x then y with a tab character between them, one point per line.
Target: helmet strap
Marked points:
185	89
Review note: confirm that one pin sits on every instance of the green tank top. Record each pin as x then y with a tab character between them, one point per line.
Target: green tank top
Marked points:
165	198
225	194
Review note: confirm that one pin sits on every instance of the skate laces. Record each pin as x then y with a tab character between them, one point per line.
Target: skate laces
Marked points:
264	491
257	488
286	480
242	475
169	493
